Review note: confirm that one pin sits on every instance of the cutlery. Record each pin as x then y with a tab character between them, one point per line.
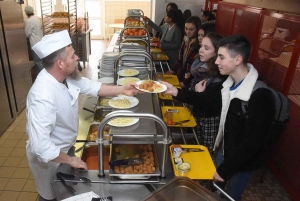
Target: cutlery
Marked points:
184	150
72	178
70	188
129	161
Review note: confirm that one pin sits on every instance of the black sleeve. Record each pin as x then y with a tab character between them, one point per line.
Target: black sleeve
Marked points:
209	99
261	113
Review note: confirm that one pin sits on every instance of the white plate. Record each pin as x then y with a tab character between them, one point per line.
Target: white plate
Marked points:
123	72
120	81
133	102
135	120
164	87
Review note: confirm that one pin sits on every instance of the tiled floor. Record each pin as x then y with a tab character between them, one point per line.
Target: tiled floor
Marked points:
16	180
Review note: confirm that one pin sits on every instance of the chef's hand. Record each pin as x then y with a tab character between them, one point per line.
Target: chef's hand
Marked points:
201	86
181	85
130	90
170	89
170	72
76	162
218	178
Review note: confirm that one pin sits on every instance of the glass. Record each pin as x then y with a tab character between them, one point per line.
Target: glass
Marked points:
182	173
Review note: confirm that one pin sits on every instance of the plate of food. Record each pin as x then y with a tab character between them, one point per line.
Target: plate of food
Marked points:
151	86
127	80
123	121
123	102
128	72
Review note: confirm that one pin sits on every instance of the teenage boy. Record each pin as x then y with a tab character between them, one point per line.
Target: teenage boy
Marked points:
240	141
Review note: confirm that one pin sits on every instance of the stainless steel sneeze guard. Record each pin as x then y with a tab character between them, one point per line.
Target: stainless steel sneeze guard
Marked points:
100	140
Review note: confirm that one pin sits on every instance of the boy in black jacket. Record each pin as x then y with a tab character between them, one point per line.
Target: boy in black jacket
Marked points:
240	141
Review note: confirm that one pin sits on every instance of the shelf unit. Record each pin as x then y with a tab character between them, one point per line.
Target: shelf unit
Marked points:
48	19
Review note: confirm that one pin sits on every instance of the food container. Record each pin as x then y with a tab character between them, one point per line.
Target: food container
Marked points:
90	156
182	169
93	132
100	113
121	151
103	101
182	188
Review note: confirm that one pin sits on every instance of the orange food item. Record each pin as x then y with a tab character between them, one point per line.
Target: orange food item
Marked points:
91	158
169	122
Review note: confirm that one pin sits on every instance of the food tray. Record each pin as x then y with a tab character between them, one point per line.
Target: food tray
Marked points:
90	156
155	49
167	96
171	79
125	150
93	132
202	166
100	99
182	188
100	113
183	114
162	57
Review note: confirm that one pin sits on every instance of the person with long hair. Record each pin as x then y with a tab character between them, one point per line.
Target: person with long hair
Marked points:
170	6
189	49
171	35
207	122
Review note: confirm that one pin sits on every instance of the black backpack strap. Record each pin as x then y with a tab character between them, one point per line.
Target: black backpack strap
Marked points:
244	104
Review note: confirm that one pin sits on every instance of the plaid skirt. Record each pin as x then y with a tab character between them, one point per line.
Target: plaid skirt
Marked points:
207	130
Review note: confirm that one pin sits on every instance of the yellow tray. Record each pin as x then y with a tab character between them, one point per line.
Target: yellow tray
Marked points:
162	57
167	96
172	79
183	114
155	49
202	166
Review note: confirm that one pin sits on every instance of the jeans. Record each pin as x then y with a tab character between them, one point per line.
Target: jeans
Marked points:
236	185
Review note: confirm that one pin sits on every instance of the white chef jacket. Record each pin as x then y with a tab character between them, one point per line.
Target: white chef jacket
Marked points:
52	123
33	30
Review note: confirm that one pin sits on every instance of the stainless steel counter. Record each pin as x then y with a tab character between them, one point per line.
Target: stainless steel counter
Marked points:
148	103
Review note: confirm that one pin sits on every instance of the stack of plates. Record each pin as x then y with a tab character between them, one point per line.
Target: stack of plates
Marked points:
107	64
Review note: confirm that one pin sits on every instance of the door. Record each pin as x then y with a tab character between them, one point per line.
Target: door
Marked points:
95	10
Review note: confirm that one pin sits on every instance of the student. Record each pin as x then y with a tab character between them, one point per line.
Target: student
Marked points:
240	141
204	30
207	16
189	49
187	14
207	121
169	7
171	35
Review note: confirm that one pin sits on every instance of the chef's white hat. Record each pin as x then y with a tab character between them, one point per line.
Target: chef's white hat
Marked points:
28	10
51	43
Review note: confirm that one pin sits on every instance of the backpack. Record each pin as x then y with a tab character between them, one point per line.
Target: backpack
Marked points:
281	116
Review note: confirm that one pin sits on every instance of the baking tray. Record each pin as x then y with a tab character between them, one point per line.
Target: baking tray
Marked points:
129	150
202	166
171	79
182	188
100	113
183	114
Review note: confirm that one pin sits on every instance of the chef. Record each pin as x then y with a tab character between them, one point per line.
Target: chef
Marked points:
52	109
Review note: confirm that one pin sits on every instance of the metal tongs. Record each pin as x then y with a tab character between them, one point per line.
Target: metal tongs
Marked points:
72	178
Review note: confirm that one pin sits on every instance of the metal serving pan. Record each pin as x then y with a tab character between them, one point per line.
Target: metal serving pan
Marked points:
127	150
93	132
182	188
103	101
100	113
